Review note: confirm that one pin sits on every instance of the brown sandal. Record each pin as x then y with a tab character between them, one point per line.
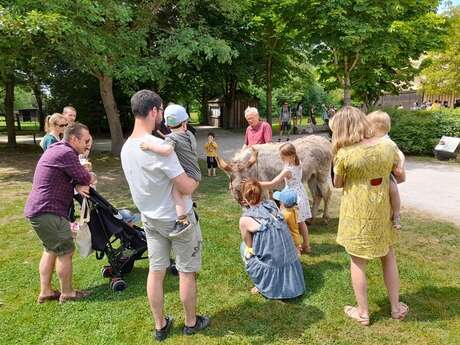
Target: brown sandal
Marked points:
78	296
352	313
54	297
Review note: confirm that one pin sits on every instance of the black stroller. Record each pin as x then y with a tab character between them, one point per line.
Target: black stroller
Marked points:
111	236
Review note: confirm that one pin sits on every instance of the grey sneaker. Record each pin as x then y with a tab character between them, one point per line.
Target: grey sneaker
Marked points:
162	334
180	228
202	322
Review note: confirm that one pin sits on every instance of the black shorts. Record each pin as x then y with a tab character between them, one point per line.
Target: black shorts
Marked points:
285	126
212	162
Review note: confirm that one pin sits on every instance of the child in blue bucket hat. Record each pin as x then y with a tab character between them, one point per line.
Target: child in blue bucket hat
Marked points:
288	202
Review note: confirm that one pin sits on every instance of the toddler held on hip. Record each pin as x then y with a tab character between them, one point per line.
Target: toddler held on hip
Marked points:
183	142
381	124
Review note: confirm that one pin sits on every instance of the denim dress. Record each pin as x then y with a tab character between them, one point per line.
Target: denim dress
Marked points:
274	268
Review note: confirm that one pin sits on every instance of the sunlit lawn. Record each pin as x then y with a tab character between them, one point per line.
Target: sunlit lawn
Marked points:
428	253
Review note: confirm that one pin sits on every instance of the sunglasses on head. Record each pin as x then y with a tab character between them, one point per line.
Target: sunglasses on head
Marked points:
63	125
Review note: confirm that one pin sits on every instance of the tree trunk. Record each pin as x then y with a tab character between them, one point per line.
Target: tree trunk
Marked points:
39	99
204	106
9	110
229	100
269	89
113	116
346	89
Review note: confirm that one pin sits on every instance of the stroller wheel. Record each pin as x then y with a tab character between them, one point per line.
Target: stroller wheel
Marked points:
118	284
106	271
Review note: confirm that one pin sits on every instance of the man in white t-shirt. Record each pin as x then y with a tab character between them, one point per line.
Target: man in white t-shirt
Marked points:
151	177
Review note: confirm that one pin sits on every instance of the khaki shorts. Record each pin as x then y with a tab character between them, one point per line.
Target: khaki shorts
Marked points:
54	232
186	247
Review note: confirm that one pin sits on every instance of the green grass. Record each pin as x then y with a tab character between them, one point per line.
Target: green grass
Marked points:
428	255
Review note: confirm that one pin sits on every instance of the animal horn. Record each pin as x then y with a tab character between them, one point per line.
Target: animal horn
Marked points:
222	164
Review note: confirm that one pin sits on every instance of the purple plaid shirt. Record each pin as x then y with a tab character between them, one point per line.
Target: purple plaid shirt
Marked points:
56	174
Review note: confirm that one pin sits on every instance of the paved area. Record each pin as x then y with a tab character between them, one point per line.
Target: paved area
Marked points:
432	187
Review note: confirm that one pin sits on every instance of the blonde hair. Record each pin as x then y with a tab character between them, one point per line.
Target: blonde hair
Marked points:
349	126
251	191
288	150
52	120
380	120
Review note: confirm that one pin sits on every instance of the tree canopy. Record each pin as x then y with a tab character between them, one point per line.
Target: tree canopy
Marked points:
442	72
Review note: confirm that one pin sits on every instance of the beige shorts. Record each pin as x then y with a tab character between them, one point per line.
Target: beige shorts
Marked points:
54	232
186	247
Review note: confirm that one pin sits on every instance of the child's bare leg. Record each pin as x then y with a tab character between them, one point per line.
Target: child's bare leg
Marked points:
180	201
209	172
304	233
213	171
182	223
395	201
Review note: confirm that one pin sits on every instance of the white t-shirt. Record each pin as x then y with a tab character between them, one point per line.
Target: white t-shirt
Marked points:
149	178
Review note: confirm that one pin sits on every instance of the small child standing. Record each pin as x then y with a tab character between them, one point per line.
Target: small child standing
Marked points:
381	125
288	200
292	176
211	148
183	142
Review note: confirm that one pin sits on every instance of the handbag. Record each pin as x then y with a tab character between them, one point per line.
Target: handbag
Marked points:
83	239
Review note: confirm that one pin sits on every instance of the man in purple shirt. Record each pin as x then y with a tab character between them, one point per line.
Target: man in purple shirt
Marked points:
57	174
258	132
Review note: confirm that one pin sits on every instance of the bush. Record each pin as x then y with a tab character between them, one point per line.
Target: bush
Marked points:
418	132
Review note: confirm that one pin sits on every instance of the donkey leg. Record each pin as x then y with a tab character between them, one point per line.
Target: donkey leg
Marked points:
315	192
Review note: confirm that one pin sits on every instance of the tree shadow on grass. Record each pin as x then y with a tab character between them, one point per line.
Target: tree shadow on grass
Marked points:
326	249
318	226
265	320
430	303
136	281
314	274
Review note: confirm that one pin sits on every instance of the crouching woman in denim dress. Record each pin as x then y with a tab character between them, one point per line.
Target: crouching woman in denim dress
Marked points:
268	250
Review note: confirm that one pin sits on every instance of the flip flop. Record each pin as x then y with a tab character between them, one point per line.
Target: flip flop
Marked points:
352	313
401	313
54	297
78	296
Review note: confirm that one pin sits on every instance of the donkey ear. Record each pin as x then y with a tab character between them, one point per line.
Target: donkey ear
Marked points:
253	158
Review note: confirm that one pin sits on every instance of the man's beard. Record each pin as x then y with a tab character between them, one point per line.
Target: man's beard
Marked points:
158	121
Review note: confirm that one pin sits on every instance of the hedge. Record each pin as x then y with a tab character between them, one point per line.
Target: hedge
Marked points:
417	132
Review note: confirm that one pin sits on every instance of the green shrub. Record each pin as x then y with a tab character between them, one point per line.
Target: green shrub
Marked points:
418	132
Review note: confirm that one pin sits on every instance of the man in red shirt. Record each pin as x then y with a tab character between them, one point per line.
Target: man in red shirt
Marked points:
258	132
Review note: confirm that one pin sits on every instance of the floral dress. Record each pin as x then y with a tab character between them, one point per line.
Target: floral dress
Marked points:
295	183
365	227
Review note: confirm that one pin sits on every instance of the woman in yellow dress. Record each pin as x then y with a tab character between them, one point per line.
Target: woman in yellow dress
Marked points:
362	166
